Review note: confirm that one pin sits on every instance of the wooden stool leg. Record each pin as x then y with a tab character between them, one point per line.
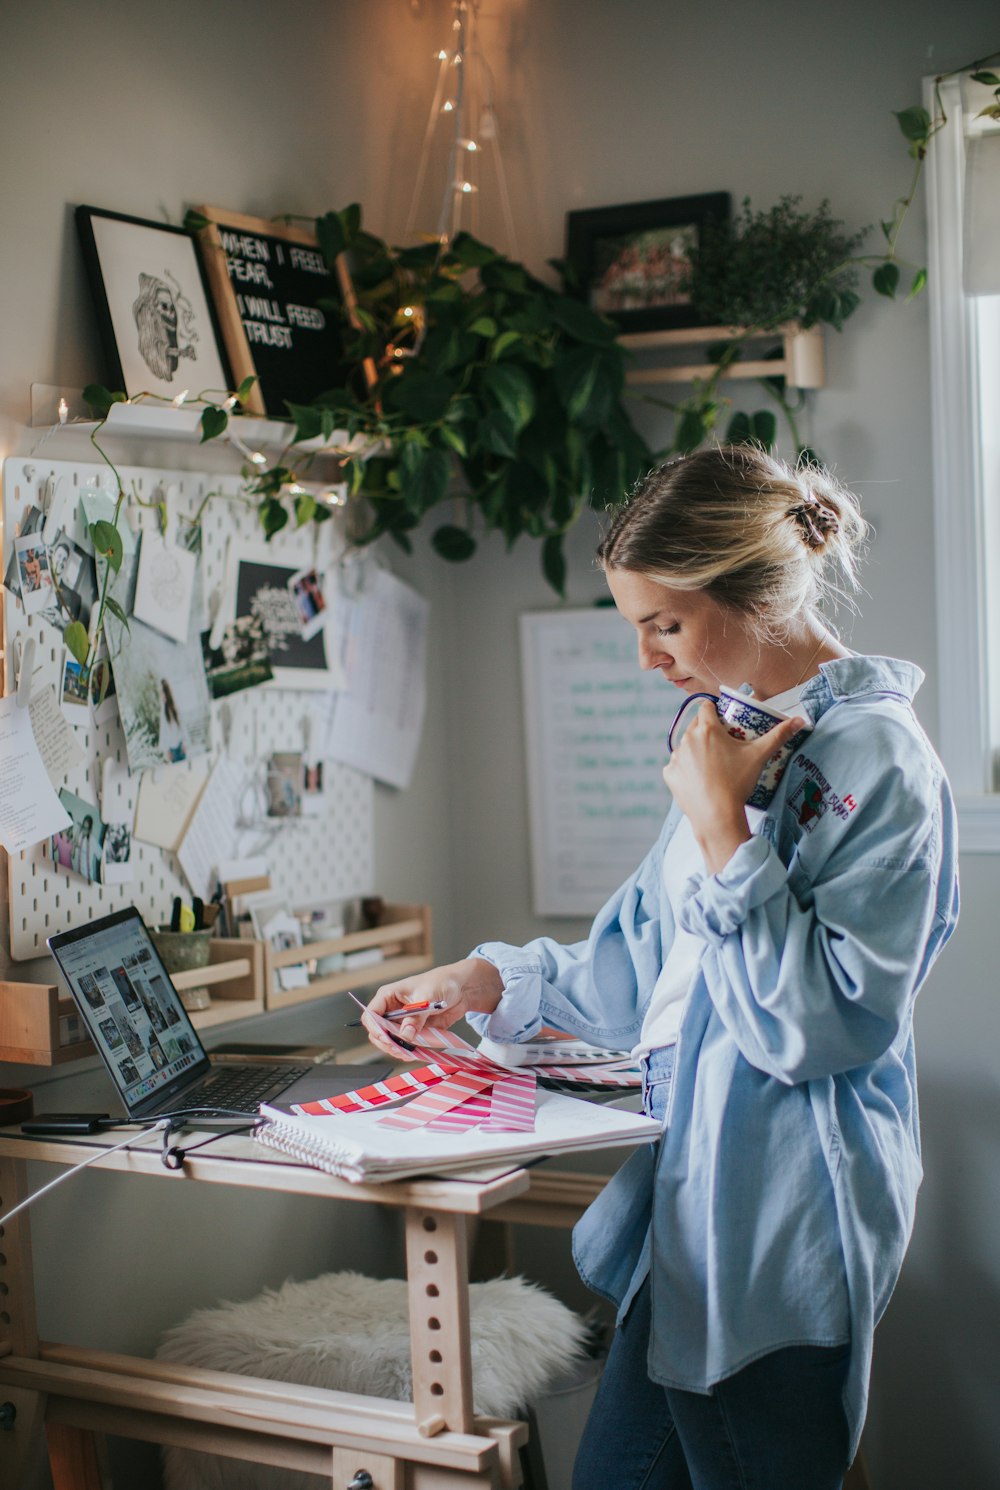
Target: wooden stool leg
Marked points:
73	1458
20	1446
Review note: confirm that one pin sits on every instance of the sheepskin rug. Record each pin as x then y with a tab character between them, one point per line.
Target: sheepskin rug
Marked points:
350	1333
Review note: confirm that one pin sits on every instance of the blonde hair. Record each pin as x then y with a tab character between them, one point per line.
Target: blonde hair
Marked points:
763	538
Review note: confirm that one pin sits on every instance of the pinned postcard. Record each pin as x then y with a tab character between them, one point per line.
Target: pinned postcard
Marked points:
117	788
74	693
306	590
30	811
167	798
77	848
240	660
164	585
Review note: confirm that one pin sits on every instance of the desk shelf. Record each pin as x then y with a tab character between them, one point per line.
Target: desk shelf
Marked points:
403	937
38	1022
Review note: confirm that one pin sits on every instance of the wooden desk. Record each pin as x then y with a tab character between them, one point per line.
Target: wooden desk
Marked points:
434	1443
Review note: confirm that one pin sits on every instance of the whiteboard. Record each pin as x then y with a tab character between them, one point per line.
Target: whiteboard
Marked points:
595	735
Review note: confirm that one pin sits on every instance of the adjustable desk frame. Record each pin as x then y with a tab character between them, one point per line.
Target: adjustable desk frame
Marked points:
434	1443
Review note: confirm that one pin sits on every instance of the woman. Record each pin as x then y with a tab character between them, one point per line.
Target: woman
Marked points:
764	967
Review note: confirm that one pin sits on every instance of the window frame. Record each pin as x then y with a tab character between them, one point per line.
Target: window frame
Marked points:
959	498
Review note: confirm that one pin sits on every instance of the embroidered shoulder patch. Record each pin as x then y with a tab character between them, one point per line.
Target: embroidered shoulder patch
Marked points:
814	796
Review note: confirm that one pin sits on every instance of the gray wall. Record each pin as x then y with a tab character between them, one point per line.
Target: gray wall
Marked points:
307	106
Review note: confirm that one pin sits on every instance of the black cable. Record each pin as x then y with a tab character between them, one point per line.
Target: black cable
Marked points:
173	1156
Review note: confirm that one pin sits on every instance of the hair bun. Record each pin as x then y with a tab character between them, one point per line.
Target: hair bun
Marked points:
817	521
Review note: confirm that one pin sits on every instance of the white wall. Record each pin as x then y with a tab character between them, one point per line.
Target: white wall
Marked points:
305	106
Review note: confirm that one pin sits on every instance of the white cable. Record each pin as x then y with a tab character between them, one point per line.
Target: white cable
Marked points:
94	1158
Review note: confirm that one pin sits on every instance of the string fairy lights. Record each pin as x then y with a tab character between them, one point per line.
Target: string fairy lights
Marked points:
463	93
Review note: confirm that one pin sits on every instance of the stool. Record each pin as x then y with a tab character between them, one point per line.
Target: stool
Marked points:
349	1333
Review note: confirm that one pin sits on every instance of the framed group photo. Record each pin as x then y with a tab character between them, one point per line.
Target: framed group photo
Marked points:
633	261
156	318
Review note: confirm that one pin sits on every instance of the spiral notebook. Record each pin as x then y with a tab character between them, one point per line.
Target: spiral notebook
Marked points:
357	1146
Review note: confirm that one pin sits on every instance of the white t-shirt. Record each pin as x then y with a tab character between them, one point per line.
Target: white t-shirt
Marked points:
682	859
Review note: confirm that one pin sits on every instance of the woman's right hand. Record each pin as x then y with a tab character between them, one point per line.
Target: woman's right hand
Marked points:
472	986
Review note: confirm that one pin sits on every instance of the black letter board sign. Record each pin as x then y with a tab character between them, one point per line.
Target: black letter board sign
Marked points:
266	279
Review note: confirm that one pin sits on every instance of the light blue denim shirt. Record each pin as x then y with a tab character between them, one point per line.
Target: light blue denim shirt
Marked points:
777	1207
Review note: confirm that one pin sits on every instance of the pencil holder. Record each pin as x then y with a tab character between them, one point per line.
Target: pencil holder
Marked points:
182	950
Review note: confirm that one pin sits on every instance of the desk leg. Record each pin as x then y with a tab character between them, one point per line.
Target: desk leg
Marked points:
18	1331
73	1458
437	1268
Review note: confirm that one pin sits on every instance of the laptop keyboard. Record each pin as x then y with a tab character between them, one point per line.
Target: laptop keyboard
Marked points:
241	1088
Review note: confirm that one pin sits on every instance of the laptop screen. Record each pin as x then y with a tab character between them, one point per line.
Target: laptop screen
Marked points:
131	1007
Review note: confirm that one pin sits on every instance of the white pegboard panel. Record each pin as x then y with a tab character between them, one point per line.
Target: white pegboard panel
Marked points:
329	856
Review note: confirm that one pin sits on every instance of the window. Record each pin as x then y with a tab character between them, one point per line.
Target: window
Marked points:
965	394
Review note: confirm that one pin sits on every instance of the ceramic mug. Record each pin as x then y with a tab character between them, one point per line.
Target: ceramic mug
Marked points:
746	718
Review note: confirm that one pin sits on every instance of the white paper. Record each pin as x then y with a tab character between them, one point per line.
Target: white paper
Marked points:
164	585
377	721
167	798
29	807
57	744
211	833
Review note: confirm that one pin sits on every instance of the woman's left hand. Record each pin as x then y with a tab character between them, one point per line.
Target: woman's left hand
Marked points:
710	775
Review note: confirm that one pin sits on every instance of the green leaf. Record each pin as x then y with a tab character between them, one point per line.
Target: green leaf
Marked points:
195	221
581	322
504	341
350	222
100	399
740	430
107	543
424	476
308	420
452	437
246	388
77	641
989	78
576	379
886	278
919	280
330	237
470	253
273	516
424	396
305	508
453	543
554	563
915	123
213	421
765	429
690	431
112	605
484	326
511	387
496	434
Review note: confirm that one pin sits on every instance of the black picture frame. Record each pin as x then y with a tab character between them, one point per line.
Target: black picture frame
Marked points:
628	260
156	317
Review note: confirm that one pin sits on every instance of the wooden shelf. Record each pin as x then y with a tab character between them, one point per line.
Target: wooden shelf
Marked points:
31	1014
802	363
403	938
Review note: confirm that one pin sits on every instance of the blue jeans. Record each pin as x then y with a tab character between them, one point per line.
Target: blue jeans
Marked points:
778	1424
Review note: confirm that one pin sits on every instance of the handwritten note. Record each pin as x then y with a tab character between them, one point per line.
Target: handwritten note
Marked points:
57	744
29	807
596	728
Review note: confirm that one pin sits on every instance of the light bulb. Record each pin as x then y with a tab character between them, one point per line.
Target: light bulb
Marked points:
258	458
465	187
63	411
448	107
231	402
442	56
181	397
469	145
407	310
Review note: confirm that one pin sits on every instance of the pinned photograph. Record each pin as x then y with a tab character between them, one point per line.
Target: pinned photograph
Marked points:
75	691
116	862
34	573
312	788
240	660
74	583
163	698
77	849
284	784
306	589
260	588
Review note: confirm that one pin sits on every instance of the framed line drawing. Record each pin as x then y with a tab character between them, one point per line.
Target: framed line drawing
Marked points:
632	260
272	293
156	318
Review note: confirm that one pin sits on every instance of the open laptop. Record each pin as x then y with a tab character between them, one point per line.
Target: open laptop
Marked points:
151	1049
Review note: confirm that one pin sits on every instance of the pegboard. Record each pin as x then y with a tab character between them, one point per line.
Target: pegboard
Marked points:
326	857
